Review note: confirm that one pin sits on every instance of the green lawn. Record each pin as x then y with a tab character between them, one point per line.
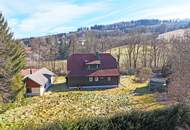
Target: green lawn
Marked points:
59	104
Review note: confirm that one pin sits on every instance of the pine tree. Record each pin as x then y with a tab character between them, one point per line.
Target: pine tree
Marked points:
12	60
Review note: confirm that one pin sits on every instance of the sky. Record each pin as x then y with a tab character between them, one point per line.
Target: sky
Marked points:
30	18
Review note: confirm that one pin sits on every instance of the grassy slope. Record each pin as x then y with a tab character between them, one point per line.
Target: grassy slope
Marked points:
74	105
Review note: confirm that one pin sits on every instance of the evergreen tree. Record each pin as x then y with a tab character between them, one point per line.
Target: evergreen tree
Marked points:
12	60
63	50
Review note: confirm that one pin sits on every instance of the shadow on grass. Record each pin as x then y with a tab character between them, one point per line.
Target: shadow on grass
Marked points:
62	87
143	90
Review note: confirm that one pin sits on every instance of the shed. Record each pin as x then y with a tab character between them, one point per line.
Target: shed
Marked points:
37	83
157	83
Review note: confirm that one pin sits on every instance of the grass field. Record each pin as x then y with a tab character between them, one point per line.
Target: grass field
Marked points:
61	104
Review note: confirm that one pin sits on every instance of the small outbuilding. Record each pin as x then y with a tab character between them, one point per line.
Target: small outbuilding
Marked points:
38	82
157	83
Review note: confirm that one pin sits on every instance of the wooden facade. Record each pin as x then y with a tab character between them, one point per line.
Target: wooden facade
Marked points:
92	81
92	70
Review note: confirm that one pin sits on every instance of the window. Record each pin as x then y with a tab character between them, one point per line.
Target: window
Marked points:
90	79
92	67
109	78
96	79
89	67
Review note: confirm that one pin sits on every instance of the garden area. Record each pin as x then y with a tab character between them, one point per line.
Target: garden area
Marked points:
61	104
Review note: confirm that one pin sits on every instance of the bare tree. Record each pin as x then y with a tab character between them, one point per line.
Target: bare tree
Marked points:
180	83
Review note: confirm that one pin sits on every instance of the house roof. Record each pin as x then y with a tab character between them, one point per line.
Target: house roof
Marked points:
76	65
158	80
39	76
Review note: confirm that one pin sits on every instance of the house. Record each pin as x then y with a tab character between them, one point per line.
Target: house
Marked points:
92	71
38	82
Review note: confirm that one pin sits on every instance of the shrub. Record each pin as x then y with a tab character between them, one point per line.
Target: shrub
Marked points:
167	119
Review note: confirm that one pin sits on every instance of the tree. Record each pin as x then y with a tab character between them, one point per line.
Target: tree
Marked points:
73	43
179	86
12	60
63	49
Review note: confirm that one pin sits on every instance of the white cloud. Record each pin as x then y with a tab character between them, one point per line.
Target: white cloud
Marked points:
100	18
44	17
53	15
34	17
165	12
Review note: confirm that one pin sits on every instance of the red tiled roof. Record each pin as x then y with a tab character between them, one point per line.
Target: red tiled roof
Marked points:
25	72
76	65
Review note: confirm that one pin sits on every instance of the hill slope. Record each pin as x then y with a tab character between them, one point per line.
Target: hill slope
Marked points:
62	105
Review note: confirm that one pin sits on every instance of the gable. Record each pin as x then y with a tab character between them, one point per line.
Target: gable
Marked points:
32	84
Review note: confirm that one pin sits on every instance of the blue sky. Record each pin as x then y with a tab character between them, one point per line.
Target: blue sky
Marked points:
42	17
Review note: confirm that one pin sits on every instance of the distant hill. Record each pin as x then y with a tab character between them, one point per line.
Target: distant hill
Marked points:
150	25
173	34
144	25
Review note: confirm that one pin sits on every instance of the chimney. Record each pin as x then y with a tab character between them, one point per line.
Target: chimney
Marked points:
30	70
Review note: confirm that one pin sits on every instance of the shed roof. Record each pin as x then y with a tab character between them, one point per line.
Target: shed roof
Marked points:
39	76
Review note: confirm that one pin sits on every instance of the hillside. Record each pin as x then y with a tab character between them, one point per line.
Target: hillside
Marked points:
173	34
60	104
151	26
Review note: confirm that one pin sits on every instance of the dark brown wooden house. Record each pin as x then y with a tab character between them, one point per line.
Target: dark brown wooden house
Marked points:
92	70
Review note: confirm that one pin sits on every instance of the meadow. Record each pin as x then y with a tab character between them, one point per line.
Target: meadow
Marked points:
61	104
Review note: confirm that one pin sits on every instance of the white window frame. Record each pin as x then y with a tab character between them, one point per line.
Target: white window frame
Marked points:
90	79
96	79
97	66
109	78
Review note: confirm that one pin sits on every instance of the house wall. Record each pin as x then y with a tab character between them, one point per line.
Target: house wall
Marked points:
84	81
31	84
36	89
52	79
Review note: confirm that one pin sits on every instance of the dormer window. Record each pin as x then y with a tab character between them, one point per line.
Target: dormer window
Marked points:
93	65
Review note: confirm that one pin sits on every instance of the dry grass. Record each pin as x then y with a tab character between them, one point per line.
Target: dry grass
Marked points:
60	104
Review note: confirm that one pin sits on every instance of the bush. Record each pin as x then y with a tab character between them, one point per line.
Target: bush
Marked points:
144	74
167	119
